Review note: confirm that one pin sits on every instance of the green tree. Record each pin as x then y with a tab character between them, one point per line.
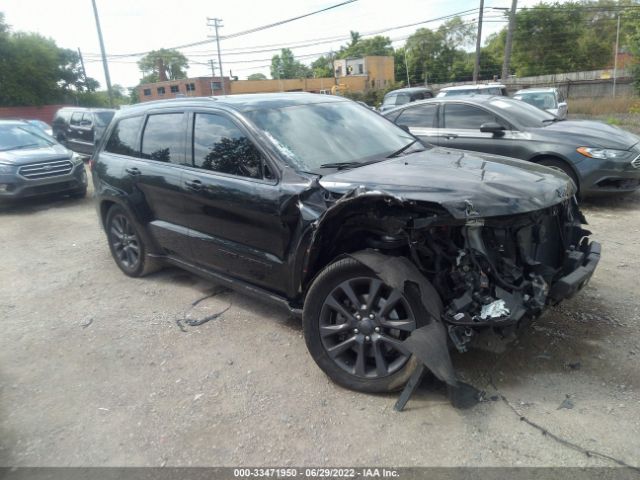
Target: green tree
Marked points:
257	76
437	56
35	71
358	47
285	65
165	63
323	67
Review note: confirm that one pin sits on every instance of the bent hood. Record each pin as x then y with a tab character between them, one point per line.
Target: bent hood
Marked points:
587	133
466	185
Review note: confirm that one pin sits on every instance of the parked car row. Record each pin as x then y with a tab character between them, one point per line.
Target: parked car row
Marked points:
550	99
32	163
599	158
329	209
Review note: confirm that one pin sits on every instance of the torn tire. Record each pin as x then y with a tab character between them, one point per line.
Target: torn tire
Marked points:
355	325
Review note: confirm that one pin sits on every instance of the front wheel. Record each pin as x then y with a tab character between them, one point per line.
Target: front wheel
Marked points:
354	326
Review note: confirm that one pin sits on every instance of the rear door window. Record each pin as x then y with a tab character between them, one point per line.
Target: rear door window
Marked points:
124	137
76	119
460	116
163	139
419	116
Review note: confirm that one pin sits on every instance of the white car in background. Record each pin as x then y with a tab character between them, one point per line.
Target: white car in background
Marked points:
550	99
477	89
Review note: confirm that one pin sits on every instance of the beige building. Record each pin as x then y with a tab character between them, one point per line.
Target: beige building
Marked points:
353	75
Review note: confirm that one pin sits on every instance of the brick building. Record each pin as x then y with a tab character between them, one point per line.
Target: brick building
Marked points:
188	87
354	75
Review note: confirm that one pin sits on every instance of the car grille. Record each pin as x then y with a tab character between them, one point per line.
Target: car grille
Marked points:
52	168
635	163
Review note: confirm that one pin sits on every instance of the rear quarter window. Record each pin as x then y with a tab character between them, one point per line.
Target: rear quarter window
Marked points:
124	137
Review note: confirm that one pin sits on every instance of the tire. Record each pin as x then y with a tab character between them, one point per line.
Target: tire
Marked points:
350	351
563	167
126	244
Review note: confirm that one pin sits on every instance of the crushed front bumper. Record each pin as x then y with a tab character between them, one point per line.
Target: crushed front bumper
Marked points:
585	262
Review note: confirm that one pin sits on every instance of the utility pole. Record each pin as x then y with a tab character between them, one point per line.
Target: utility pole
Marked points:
615	58
105	65
406	66
217	23
213	67
509	41
476	67
84	72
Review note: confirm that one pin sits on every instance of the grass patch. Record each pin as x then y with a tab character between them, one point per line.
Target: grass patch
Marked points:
604	106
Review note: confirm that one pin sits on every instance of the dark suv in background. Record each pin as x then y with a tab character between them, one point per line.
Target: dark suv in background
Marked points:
401	96
327	208
79	128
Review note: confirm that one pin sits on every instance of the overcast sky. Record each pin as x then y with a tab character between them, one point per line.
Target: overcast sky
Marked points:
131	26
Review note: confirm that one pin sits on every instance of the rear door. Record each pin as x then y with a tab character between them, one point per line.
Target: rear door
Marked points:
421	121
461	129
156	187
233	209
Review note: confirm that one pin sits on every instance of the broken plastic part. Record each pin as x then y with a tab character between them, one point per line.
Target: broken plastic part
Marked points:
495	309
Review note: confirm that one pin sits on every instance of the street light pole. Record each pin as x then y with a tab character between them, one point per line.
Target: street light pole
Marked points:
105	65
406	66
615	58
476	67
509	41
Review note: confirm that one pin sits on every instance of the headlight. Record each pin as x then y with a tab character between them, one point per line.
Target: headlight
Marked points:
603	153
6	168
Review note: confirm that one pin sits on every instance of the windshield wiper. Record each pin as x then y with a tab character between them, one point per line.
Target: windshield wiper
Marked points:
18	147
343	165
398	152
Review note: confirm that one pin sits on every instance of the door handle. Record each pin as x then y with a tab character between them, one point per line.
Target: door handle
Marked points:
194	184
132	171
450	136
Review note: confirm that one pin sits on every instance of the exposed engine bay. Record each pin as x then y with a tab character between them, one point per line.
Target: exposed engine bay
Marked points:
499	271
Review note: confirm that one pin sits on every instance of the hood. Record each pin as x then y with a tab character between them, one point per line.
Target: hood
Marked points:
466	185
586	133
34	155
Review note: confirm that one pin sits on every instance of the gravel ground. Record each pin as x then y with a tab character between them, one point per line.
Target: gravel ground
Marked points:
95	370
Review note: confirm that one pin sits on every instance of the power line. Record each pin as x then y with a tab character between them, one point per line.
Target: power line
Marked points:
314	42
246	32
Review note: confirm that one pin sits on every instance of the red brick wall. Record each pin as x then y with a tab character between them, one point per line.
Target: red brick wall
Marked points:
44	113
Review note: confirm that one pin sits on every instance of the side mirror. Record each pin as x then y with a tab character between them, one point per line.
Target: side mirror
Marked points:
405	128
492	127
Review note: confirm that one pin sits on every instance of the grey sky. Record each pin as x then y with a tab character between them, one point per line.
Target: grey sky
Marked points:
141	25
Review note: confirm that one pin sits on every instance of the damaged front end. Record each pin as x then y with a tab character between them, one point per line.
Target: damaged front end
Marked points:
496	273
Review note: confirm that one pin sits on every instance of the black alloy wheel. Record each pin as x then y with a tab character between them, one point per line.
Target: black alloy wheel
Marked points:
362	325
354	326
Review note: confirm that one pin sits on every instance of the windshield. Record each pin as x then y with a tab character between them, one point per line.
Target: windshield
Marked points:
103	118
317	134
522	114
13	137
543	100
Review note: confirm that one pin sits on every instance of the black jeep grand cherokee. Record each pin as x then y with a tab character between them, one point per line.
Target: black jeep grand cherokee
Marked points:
319	204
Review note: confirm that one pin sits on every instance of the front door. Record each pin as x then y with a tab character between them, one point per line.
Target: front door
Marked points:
233	209
461	129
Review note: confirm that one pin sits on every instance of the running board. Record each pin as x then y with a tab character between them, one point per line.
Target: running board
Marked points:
232	283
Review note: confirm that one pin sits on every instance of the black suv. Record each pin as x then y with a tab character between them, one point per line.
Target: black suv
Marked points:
79	129
329	209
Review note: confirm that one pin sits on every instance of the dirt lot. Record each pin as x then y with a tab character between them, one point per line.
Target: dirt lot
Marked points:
95	371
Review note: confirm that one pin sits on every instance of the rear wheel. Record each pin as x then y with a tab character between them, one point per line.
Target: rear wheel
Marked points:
354	326
126	244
